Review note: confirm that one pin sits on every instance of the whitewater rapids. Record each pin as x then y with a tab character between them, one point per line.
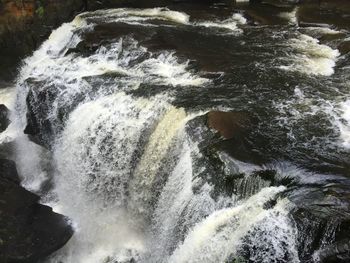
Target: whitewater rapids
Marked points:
126	170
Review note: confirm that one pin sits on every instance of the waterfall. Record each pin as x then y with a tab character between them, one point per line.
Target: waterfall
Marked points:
95	167
125	161
217	237
152	159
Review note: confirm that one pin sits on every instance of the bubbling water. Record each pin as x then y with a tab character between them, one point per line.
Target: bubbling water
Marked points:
312	58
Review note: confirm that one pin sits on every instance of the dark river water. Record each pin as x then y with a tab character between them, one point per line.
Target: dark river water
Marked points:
121	96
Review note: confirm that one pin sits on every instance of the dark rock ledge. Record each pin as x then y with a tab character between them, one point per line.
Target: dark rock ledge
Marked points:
29	231
4	117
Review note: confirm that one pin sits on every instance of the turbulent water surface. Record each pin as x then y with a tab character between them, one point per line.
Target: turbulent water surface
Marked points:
120	96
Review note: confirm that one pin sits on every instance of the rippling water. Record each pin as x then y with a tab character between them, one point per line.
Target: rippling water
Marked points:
119	96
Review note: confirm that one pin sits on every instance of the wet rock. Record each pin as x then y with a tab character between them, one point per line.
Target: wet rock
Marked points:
344	47
4	117
281	3
322	216
336	253
228	124
39	98
228	132
29	231
333	12
221	139
25	24
266	14
218	126
42	124
8	171
234	129
7	150
321	25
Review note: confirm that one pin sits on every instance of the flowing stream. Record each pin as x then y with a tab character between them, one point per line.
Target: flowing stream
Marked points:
118	97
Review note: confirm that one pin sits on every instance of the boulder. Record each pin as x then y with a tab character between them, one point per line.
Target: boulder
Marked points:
40	128
4	117
42	125
29	231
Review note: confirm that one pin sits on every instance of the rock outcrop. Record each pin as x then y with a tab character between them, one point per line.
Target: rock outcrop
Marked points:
29	231
4	117
281	3
228	124
25	24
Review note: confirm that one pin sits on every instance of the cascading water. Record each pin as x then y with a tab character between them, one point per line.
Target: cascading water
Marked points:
312	58
137	179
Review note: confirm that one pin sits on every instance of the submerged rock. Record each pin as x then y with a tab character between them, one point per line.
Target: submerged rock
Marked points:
234	129
4	117
29	231
336	253
228	124
322	216
222	140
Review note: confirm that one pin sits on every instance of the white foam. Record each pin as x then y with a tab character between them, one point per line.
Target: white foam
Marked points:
95	166
179	207
311	57
113	146
9	134
172	202
344	126
146	17
169	71
324	30
105	237
291	17
134	15
115	58
7	97
60	40
230	24
302	106
219	236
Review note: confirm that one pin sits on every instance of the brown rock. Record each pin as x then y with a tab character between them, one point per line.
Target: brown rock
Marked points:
228	124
